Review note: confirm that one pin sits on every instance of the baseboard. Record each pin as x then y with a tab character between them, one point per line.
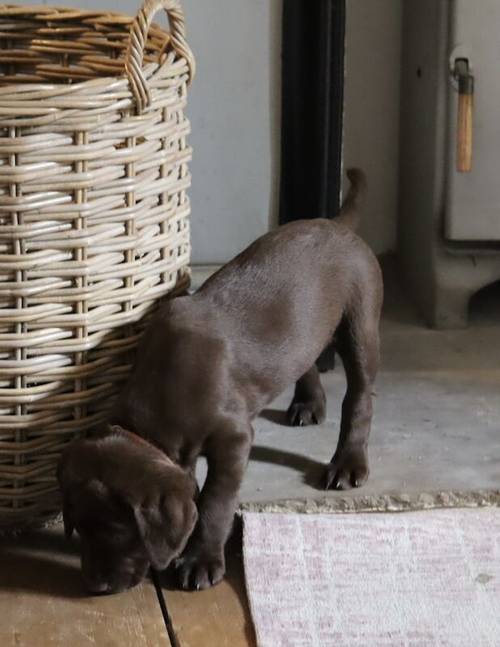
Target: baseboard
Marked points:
200	273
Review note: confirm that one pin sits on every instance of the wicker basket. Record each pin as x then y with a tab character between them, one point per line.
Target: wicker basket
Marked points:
93	222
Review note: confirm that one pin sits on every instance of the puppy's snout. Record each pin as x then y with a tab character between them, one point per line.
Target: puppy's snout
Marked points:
98	588
101	579
95	577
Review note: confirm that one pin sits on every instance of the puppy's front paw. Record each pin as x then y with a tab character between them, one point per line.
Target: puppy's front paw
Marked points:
348	468
196	570
300	414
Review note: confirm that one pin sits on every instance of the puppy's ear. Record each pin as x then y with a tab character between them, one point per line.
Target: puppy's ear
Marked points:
165	528
153	531
69	525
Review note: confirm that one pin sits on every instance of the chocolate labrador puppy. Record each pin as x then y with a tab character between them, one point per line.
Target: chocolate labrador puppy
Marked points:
207	365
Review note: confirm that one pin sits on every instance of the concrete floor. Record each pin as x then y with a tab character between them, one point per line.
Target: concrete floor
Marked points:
436	427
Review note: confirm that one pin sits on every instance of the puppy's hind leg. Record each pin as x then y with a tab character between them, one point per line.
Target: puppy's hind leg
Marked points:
308	406
359	348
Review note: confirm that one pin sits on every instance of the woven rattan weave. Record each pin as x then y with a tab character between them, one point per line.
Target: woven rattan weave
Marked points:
93	222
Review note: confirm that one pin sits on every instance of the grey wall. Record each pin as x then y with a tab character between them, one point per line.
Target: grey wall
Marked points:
234	110
371	120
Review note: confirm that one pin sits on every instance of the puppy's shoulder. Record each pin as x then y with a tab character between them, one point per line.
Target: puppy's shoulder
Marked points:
188	327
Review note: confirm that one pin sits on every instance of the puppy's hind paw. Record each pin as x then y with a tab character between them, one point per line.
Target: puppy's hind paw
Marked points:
198	572
301	414
346	470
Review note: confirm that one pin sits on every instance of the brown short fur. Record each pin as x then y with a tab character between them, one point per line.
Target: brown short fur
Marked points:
208	364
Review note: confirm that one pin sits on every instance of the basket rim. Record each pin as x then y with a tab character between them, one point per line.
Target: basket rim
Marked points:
54	13
19	10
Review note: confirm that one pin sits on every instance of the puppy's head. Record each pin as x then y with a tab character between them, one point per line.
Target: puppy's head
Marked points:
131	506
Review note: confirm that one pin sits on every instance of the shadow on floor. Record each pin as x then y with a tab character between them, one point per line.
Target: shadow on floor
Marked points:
40	562
312	471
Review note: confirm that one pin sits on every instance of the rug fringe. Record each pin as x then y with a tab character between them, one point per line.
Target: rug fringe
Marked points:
379	503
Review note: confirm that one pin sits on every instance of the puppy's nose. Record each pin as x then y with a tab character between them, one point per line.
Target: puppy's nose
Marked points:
98	588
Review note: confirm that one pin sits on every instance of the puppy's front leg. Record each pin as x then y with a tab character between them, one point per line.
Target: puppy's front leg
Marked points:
202	564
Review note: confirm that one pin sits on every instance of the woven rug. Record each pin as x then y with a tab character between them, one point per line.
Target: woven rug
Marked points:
415	579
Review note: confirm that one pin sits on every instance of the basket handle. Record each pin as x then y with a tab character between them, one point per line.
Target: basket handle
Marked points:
138	35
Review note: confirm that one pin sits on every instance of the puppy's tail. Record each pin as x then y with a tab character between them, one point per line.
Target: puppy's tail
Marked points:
349	212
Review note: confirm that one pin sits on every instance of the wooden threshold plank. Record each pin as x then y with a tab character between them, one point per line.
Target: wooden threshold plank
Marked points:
217	617
42	601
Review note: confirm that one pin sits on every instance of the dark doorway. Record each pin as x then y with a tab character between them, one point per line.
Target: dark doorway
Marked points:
312	107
